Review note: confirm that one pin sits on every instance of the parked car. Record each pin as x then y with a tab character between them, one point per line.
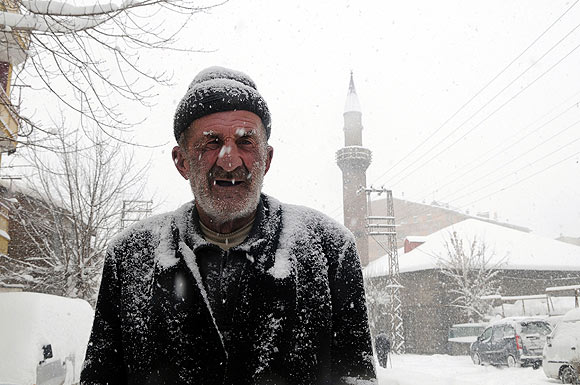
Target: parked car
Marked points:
461	336
43	338
514	341
562	350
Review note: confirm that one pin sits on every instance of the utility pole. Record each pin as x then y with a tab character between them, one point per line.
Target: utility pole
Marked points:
133	211
382	229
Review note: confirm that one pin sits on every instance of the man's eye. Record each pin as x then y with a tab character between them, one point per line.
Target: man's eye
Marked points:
244	142
212	144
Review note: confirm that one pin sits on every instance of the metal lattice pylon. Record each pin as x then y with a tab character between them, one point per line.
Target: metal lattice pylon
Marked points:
383	229
133	211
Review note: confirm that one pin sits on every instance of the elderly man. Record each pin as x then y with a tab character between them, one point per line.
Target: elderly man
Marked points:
234	287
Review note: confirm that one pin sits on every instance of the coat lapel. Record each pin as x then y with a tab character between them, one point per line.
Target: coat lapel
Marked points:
179	267
263	301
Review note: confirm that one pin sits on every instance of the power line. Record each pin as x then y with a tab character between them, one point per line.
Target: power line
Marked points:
495	170
521	168
486	86
505	146
525	178
508	186
489	115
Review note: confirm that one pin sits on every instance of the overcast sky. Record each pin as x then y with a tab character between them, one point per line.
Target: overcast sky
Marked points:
511	150
415	65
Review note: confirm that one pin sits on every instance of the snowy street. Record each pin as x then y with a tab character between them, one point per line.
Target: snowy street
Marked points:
410	369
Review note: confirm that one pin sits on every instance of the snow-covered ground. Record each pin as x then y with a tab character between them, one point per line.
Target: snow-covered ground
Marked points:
410	369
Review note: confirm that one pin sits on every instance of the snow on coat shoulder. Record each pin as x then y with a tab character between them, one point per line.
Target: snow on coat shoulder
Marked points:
299	225
159	230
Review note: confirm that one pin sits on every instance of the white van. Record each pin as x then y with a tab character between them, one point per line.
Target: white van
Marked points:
43	338
561	355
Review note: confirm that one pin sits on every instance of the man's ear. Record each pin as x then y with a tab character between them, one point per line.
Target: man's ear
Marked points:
269	156
181	163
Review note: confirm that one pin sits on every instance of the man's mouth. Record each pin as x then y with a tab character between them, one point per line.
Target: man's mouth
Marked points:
227	183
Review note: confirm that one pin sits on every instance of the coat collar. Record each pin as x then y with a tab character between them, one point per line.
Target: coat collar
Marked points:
259	246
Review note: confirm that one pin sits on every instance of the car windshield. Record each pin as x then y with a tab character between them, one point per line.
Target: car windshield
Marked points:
535	327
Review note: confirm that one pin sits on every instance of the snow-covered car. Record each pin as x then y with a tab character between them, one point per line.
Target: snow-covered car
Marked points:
514	341
461	336
43	338
562	350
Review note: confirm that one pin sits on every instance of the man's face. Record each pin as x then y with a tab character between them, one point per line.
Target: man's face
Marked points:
225	157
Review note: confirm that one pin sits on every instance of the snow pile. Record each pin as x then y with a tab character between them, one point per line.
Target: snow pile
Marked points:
572	316
30	320
515	249
409	369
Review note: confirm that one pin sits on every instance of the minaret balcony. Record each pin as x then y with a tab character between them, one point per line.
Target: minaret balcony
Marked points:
353	157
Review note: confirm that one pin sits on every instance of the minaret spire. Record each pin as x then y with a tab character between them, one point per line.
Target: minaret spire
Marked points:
352	103
353	159
351	89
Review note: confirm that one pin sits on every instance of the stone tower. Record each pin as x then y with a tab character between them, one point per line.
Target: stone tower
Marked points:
353	159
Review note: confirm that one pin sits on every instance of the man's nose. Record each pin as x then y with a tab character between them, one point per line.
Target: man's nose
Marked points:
229	157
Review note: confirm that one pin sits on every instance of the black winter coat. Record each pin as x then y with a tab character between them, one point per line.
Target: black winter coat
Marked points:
299	317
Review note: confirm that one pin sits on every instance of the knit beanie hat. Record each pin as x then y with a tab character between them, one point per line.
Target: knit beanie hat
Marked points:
218	89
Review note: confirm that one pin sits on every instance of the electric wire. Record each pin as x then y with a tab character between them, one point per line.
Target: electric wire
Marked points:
495	170
490	114
485	87
427	209
449	197
525	178
506	145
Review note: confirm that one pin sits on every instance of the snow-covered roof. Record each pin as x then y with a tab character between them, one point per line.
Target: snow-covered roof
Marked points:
562	288
515	319
416	238
535	307
516	249
352	103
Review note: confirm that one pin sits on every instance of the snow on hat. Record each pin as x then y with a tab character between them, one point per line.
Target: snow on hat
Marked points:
218	89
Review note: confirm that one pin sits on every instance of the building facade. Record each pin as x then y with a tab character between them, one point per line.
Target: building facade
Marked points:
13	51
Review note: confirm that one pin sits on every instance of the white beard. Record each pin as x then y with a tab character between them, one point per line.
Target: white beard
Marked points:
240	203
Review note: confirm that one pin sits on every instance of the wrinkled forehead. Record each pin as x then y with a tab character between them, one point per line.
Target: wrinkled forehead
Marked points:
229	123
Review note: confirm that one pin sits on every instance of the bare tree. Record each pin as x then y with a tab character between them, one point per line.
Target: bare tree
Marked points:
90	58
472	273
68	213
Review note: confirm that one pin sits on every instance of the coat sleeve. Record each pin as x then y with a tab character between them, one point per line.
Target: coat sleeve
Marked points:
104	358
352	356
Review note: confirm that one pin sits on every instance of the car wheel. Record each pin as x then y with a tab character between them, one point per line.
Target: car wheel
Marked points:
511	361
568	375
476	359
